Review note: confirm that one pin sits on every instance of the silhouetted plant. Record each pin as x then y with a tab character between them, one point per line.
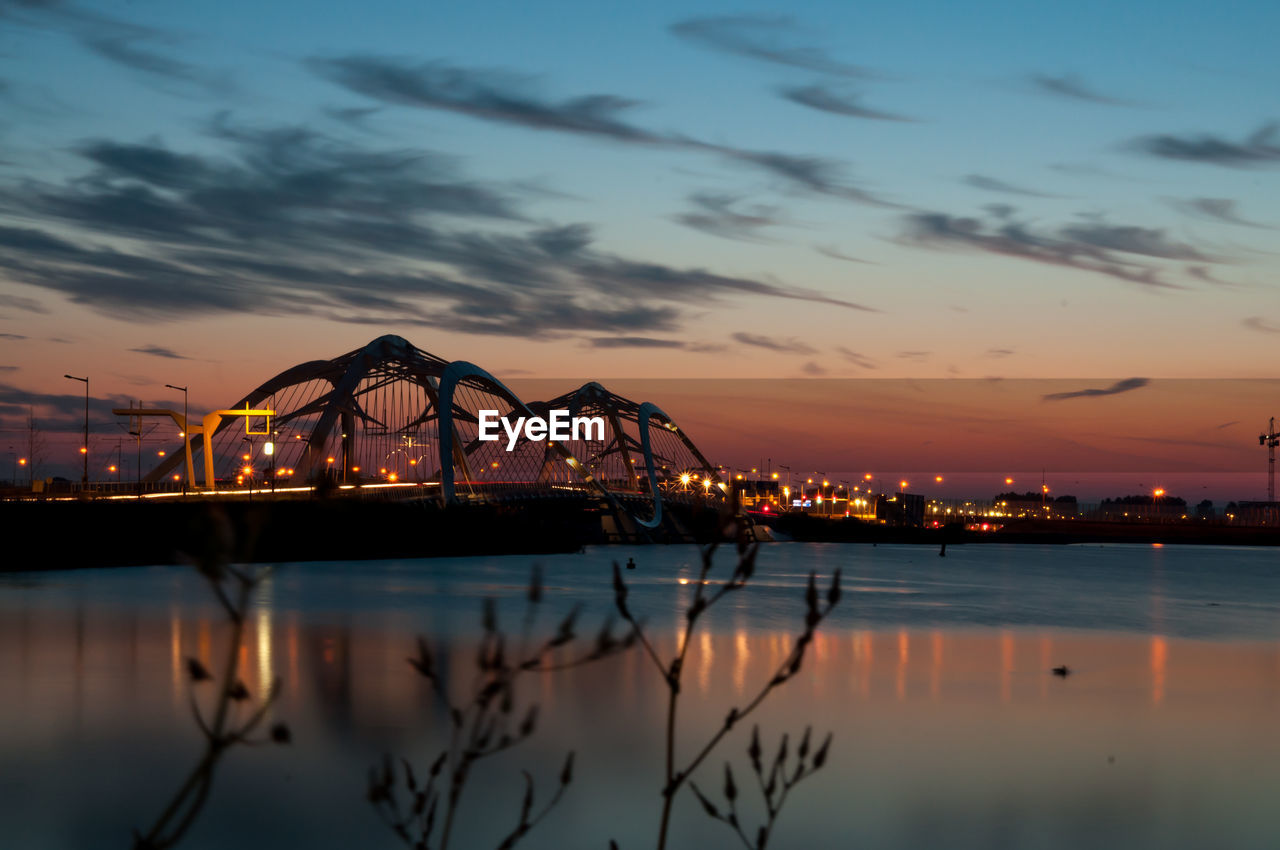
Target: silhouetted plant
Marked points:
774	785
483	724
234	719
675	777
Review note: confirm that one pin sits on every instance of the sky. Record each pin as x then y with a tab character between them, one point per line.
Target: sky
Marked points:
205	193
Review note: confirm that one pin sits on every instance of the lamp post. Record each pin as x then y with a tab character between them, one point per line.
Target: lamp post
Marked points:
186	437
84	450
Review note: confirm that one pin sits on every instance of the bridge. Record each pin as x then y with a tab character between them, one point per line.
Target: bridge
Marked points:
392	415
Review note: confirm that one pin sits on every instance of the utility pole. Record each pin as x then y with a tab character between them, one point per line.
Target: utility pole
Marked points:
84	450
1270	439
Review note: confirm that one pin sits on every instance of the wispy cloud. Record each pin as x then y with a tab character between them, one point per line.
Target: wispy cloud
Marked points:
19	302
1124	386
855	358
1093	246
813	370
12	336
782	346
139	48
825	99
634	342
1213	209
1261	325
993	184
1257	149
510	99
487	94
1000	352
914	356
285	220
715	214
836	254
159	351
1073	88
765	38
1204	275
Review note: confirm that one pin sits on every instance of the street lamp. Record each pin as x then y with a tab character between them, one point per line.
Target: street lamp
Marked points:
186	438
84	450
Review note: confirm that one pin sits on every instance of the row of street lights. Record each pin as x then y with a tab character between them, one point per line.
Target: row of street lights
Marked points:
84	447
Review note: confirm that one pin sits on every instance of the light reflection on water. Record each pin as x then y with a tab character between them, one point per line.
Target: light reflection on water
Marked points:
949	728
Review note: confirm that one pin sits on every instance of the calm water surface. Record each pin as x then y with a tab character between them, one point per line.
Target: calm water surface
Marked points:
934	675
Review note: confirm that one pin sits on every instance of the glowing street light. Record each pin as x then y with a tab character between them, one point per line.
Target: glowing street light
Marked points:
84	449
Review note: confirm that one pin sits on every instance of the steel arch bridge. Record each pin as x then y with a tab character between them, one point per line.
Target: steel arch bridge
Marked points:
392	413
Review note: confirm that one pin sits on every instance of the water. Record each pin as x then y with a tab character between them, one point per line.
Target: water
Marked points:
933	675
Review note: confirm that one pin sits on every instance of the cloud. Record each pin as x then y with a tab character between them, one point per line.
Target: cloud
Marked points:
815	174
1127	385
1213	209
8	368
782	346
288	221
159	351
855	358
914	356
352	116
1093	247
57	412
18	302
1257	323
12	336
125	43
507	98
1258	149
1072	87
813	369
836	254
127	49
992	184
764	38
486	94
826	100
714	214
1146	241
1203	274
634	342
1000	352
1227	424
1084	169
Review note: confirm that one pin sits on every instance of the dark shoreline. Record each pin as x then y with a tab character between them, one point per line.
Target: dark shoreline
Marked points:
75	535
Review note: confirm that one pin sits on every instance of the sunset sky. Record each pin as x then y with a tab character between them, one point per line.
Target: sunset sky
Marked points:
206	193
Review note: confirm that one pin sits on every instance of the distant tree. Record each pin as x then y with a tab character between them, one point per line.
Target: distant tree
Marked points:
1146	499
1070	499
1011	496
